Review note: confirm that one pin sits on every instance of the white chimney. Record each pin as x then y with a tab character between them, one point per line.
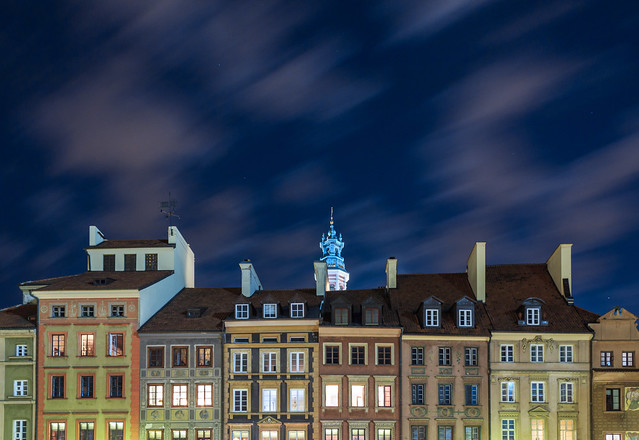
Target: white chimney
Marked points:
560	268
95	236
391	273
321	277
476	270
250	280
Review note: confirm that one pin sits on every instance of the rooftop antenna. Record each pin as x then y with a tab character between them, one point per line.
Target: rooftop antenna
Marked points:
168	208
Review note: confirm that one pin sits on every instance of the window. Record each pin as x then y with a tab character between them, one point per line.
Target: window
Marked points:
269	400
628	359
465	318
444	433
269	362
117	310
371	316
297	310
87	344
331	434
58	345
58	311
204	392
508	391
508	429
565	392
508	353
204	356
179	434
567	430
471	392
116	344
179	394
203	434
331	395
21	350
151	262
180	356
87	431
358	434
332	354
470	356
87	311
57	387
270	310
384	434
240	400
536	353
297	400
613	399
20	388
431	318
533	316
154	434
613	436
384	356
418	432
108	261
537	392
417	355
297	362
341	316
269	435
116	385
565	353
417	393
537	429
606	358
116	430
384	396
358	396
444	393
240	362
471	433
444	356
156	357
241	311
358	354
86	387
155	395
239	435
57	430
130	262
296	435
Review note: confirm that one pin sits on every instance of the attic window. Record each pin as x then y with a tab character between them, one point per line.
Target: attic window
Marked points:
297	310
532	314
341	316
270	311
431	318
465	318
371	316
102	281
195	312
241	311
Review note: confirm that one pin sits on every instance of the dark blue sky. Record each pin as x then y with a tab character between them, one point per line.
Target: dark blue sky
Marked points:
427	125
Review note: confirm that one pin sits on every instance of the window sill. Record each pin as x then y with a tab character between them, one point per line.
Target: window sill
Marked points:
20	397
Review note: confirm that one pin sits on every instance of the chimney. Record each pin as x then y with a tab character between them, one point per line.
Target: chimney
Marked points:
321	277
391	273
250	280
560	268
95	236
476	270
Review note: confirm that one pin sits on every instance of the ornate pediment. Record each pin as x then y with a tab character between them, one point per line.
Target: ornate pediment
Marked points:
268	420
537	340
539	410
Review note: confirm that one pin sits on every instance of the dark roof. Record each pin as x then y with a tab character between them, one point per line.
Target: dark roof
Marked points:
355	298
508	286
413	290
114	280
19	317
119	244
283	298
215	305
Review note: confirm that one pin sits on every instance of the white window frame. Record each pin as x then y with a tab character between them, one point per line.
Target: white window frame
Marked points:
297	362
533	316
508	429
19	430
241	311
87	311
537	392
240	359
22	350
471	356
331	395
269	311
240	400
269	400
566	353
508	392
297	400
204	394
507	353
269	359
20	388
566	392
536	353
297	310
465	317
431	318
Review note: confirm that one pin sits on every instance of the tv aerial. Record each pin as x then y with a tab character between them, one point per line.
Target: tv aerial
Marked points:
168	209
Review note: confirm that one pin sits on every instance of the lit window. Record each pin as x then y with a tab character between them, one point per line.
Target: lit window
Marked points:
331	434
444	394
297	400
508	429
58	345
465	318
116	430
565	353
297	362
431	318
537	392
418	432
565	392
116	344
179	395
507	353
533	316
470	356
537	429
444	356
116	385
151	262
296	435
203	434
471	433
628	359
87	311
57	430
155	395
567	430
417	355
384	396
471	394
180	356
331	395
87	431
239	435
357	396
240	400
417	394
204	394
606	358
297	310
241	311
240	362
204	356
21	350
269	400
269	435
20	388
270	310
87	345
613	399
536	353
269	362
384	434
508	391
358	434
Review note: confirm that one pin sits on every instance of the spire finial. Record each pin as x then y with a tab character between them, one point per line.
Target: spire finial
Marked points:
331	215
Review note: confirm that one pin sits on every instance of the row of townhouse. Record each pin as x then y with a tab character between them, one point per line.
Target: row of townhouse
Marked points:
131	349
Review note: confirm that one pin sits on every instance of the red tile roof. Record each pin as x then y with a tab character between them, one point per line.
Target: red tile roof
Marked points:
19	317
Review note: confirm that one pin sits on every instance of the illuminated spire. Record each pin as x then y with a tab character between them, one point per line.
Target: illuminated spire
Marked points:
332	247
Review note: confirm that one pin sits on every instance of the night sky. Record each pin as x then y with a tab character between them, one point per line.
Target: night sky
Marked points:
427	125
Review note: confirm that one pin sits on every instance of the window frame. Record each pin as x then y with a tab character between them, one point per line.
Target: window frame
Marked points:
364	354
471	394
204	395
272	314
537	392
444	356
22	350
297	365
240	359
627	359
295	403
606	358
445	394
336	350
179	395
21	388
179	356
202	354
115	389
471	356
508	391
384	396
566	353
417	393
465	318
242	311
269	399
86	386
153	356
537	353
297	310
240	400
566	392
113	350
417	355
507	352
384	354
533	315
57	386
612	402
58	345
155	395
431	317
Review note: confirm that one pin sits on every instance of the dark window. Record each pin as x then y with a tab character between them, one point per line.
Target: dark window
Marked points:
117	310
417	394
116	430
358	354
606	359
444	356
332	354
418	433
417	355
613	399
470	356
130	262
472	394
444	394
87	430
87	311
58	311
156	357
116	386
86	386
151	262
384	356
109	262
57	387
371	316
472	433
341	316
204	356
180	356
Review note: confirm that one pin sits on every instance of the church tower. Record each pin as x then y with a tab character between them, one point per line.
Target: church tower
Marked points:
332	254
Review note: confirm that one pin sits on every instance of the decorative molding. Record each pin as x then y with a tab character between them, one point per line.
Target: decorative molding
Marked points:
537	340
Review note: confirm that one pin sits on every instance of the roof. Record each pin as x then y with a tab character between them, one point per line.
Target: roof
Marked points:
283	298
508	286
354	299
449	288
118	244
19	317
214	303
114	281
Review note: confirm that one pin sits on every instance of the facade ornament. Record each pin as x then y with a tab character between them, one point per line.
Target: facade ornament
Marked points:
537	340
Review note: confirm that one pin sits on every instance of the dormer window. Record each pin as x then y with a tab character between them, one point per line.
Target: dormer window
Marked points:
465	313
297	310
431	312
431	318
371	316
270	311
533	316
241	311
341	316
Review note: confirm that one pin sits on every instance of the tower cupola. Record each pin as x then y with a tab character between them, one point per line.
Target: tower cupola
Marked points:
332	247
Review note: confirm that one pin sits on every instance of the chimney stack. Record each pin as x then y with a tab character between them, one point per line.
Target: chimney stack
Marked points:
391	273
476	270
321	277
250	280
95	236
560	268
